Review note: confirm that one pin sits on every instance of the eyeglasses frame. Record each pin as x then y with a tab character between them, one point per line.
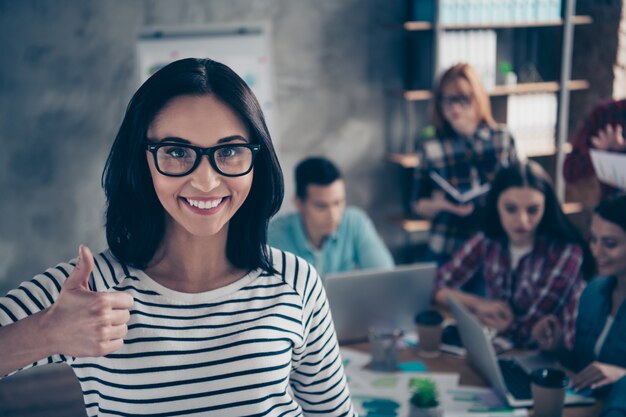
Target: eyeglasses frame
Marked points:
459	99
200	152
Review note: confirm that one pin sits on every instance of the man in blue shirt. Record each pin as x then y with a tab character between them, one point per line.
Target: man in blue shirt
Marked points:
326	233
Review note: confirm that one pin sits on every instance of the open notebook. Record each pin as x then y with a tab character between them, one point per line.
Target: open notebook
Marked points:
461	197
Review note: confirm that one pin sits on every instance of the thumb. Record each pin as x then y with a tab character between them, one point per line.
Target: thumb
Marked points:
79	278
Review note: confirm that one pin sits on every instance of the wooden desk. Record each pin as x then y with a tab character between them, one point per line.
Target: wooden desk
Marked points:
52	390
468	376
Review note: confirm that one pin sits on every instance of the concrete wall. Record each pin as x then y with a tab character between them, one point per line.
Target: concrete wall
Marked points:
67	71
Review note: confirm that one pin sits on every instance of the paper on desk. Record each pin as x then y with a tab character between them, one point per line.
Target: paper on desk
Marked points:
468	401
610	167
374	392
354	359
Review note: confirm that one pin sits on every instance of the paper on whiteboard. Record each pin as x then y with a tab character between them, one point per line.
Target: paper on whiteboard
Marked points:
610	167
246	48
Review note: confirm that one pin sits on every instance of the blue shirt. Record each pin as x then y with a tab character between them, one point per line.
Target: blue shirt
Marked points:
593	310
355	244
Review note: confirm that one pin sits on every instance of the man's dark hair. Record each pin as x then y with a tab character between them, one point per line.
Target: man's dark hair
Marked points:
135	219
315	170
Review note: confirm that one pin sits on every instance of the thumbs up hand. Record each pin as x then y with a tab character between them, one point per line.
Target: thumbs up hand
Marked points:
84	323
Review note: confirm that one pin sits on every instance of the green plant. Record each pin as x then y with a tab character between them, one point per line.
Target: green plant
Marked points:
425	133
424	393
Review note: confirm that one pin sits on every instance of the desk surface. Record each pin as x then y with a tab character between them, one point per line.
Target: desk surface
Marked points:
53	390
468	376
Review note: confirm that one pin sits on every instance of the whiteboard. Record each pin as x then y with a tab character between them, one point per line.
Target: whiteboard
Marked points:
245	48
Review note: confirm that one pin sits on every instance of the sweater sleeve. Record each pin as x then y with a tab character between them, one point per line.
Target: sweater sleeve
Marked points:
32	297
578	165
318	379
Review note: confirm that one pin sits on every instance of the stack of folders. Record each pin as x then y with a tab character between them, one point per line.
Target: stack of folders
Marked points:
487	11
476	47
532	121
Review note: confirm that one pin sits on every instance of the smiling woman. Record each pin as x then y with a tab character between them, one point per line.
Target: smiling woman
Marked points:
189	312
598	355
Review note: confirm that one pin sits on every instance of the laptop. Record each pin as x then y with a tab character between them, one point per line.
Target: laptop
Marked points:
386	298
508	376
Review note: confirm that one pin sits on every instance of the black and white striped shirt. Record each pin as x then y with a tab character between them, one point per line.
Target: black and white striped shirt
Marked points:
262	346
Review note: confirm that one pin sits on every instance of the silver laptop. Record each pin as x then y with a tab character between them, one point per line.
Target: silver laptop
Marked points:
508	376
388	298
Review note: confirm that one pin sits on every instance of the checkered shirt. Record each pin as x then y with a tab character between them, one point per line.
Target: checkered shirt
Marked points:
461	161
547	280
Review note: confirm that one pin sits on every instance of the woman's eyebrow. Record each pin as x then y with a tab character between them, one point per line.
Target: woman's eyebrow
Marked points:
170	139
232	139
227	139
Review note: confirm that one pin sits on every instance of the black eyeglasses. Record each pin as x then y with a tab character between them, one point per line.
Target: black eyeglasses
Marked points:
462	100
180	159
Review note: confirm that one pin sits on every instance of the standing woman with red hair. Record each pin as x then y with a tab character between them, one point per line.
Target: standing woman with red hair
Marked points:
467	150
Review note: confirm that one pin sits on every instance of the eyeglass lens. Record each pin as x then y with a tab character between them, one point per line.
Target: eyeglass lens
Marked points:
229	160
458	99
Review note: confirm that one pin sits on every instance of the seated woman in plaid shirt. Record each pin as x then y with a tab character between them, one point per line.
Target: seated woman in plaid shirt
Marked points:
468	149
530	257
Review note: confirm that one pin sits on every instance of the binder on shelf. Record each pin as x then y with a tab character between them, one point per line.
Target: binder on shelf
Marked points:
487	11
476	47
532	121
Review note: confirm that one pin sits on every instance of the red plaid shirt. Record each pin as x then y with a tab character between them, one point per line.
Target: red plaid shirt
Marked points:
546	281
578	164
458	160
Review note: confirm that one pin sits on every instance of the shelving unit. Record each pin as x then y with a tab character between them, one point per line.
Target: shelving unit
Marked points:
505	90
559	82
422	26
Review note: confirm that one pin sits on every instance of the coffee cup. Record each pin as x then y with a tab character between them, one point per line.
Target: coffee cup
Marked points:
429	330
548	387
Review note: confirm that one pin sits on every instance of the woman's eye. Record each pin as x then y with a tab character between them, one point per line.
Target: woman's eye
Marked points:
177	152
227	152
510	209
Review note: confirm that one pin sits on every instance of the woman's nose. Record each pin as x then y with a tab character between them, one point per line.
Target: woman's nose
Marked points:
204	177
523	219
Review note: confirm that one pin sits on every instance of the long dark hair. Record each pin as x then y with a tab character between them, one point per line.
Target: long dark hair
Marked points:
613	210
553	224
135	219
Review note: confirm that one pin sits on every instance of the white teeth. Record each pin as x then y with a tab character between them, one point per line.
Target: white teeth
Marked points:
204	204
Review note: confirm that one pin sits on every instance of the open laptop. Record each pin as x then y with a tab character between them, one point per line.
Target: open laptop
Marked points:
388	298
508	376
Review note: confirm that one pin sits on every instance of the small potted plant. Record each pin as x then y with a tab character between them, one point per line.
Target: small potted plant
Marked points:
424	401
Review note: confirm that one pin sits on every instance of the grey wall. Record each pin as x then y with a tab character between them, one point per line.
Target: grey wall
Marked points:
67	70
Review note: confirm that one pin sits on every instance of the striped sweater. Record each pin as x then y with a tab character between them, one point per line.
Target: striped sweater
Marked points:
262	346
